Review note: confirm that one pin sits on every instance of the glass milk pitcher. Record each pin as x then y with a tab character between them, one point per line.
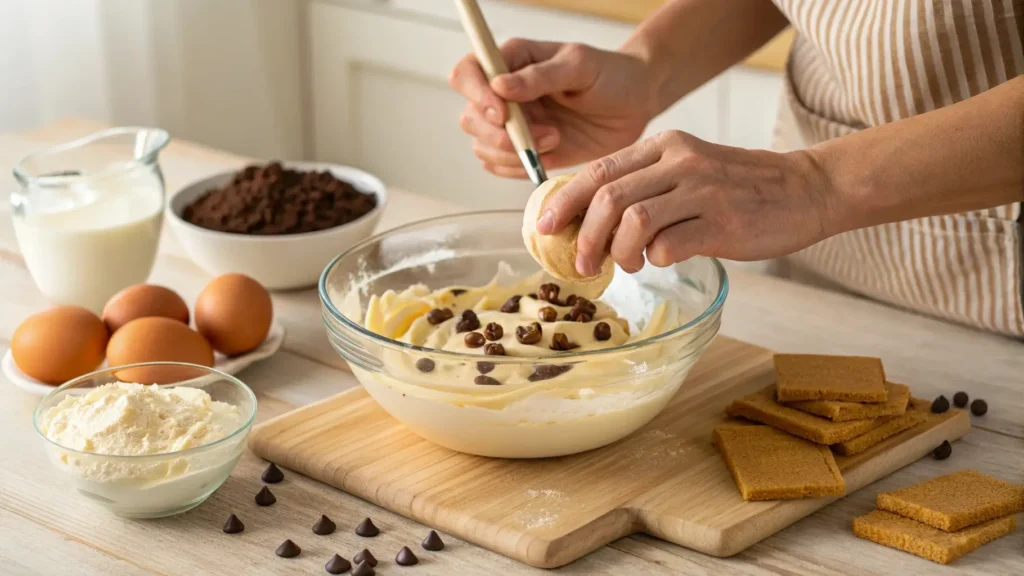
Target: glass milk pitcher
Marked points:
88	214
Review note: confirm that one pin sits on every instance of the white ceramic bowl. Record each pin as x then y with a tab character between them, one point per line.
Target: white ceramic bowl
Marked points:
279	262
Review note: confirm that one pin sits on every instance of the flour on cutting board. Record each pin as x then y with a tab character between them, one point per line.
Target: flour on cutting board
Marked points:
537	512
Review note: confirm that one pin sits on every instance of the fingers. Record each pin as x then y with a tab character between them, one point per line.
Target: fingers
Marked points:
506	171
492	143
643	221
681	242
571	68
469	80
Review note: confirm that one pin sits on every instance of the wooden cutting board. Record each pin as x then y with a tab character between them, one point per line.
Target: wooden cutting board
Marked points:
666	479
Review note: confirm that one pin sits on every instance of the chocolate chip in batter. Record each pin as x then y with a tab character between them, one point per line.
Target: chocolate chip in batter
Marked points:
425	365
532	295
548	292
484	367
511	306
547	372
585	305
468	322
529	334
494	349
486	381
457	291
493	331
571	300
438	315
560	342
474	339
602	331
547	314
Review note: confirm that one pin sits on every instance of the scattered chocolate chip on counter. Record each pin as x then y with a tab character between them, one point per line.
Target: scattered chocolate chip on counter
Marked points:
494	349
960	399
265	497
438	315
367	529
425	365
233	525
529	334
363	569
482	380
940	405
273	200
602	331
468	322
433	542
324	526
511	306
405	557
979	407
288	549
474	339
273	474
337	565
365	556
493	331
547	314
943	451
484	367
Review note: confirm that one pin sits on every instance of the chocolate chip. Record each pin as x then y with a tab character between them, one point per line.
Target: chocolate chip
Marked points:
324	526
579	315
425	365
585	305
363	569
943	451
584	317
484	367
482	380
433	542
474	340
571	300
547	314
457	291
960	399
265	497
979	407
567	317
438	315
511	305
366	529
940	405
547	372
406	557
560	342
548	292
493	331
532	295
602	331
494	349
233	525
273	474
365	556
337	565
529	334
288	549
468	322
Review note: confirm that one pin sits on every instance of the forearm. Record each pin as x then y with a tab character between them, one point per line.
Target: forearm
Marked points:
969	156
688	42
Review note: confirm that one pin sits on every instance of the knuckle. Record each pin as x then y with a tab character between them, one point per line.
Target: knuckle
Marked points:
466	122
639	218
574	52
609	197
601	170
513	44
659	253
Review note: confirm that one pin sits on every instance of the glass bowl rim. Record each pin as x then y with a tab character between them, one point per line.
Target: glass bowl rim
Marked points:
37	413
711	310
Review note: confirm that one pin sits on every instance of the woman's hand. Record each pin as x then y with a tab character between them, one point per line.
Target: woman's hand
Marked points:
677	196
582	103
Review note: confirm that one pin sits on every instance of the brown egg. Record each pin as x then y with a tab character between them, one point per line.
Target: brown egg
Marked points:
234	313
59	344
141	301
156	339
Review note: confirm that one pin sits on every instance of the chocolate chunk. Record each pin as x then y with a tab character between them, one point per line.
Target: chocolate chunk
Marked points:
457	291
273	474
943	451
265	497
940	405
486	381
233	525
474	340
567	317
366	529
468	322
548	292
484	367
979	407
324	526
494	349
406	557
529	334
585	305
960	399
511	305
547	314
579	315
602	331
438	315
433	542
365	556
337	565
571	300
547	372
560	342
363	569
583	317
288	549
493	331
532	295
425	365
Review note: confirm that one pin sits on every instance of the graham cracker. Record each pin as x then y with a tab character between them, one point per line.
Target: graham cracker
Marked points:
898	396
768	464
914	416
955	501
895	531
818	377
762	407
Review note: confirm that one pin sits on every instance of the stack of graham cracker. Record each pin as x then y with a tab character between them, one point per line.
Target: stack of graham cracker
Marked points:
945	517
818	405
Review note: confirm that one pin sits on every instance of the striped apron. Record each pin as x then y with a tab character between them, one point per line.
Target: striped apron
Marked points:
858	64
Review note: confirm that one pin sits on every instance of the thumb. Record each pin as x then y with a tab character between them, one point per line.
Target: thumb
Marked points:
571	68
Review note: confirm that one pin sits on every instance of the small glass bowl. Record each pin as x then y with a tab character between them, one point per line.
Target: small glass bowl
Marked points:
153	485
576	401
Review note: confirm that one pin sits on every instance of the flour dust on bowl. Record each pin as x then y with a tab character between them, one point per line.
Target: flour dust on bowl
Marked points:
147	451
451	327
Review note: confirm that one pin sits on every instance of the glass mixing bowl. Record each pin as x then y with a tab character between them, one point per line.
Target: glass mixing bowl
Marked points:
580	400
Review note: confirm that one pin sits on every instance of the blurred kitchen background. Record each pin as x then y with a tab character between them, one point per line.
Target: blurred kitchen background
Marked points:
361	82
